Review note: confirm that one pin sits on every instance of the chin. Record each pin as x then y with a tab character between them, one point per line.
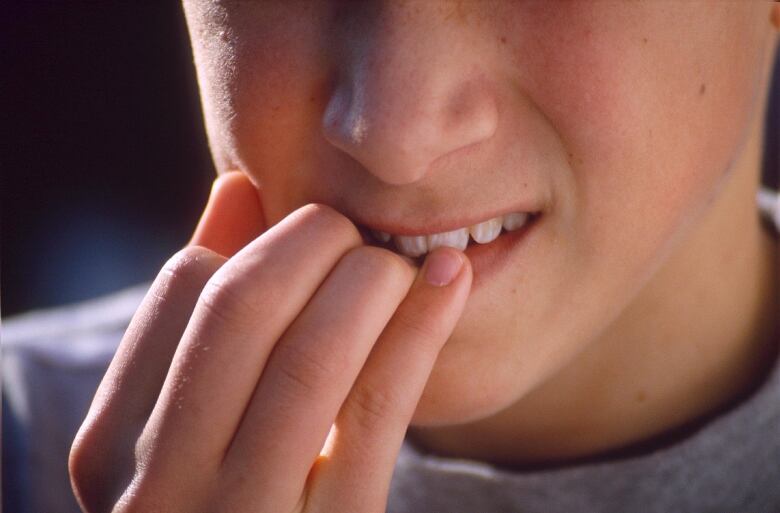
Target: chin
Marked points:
442	407
461	390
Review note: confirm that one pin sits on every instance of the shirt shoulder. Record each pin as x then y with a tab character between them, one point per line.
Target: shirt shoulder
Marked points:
53	361
768	201
89	327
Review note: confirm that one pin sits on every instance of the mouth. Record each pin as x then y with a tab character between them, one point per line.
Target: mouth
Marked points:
486	243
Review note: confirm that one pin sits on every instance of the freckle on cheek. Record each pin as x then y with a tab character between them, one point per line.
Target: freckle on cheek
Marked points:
702	89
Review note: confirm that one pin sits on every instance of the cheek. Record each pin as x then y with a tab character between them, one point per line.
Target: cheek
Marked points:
277	122
646	153
272	133
652	103
263	73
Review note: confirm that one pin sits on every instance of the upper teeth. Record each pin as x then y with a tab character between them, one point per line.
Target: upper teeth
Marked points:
481	233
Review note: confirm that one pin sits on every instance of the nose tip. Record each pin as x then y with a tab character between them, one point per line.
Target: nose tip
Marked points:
397	134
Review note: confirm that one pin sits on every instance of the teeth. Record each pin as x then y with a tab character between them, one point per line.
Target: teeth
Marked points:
455	239
482	233
514	221
380	235
487	231
412	246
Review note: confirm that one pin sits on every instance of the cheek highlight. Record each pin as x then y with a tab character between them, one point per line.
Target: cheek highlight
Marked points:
255	62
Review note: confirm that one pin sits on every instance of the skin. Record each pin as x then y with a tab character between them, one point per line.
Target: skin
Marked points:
645	292
327	355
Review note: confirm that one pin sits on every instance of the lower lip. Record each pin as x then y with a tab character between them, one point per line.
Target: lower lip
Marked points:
486	260
489	259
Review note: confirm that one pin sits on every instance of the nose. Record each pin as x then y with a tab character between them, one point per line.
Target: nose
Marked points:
407	94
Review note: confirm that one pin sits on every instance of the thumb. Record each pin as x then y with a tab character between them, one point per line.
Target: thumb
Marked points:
233	215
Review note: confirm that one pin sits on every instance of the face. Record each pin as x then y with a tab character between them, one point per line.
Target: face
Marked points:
613	122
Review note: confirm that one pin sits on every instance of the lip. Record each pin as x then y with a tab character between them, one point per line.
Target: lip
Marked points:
438	226
487	260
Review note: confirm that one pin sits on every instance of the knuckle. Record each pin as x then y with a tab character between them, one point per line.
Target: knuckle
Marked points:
378	263
125	475
296	383
193	263
302	372
369	407
330	220
84	457
416	325
95	476
155	485
224	300
192	260
81	467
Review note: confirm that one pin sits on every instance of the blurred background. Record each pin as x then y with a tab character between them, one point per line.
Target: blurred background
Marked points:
104	159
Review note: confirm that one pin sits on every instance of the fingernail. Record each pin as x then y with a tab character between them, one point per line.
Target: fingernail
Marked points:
442	266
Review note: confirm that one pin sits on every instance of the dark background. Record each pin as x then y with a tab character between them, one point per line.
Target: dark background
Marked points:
104	160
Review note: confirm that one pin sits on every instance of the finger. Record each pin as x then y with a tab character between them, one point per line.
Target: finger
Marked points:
137	371
353	473
130	387
308	376
132	383
233	216
241	313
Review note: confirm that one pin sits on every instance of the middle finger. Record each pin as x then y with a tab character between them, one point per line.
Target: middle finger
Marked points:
243	310
309	374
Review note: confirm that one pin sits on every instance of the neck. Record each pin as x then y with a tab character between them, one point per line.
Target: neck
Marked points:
674	358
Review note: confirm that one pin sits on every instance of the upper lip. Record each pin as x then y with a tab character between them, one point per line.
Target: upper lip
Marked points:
435	225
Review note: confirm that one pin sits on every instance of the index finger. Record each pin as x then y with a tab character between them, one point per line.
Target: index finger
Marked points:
133	380
242	312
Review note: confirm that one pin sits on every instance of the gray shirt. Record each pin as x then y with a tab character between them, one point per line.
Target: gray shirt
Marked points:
53	361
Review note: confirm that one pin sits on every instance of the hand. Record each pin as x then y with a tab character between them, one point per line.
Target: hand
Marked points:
251	346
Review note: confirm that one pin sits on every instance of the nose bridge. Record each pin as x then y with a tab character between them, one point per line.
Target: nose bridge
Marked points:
407	94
